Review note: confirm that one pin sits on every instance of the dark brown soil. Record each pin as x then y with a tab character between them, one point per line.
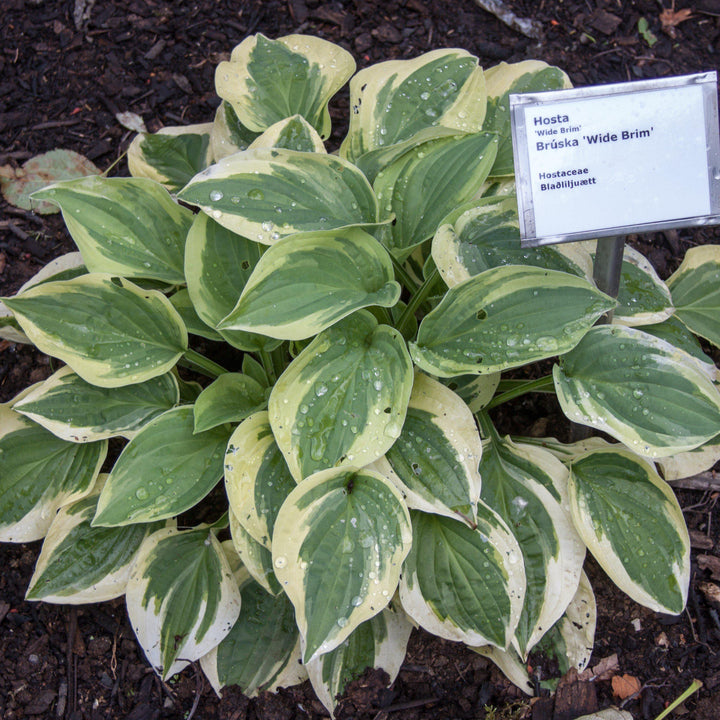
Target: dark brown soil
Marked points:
61	84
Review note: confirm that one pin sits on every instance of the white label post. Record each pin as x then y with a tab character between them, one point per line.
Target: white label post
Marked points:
604	161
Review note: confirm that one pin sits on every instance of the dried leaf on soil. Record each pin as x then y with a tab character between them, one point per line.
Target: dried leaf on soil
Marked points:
604	670
18	184
625	685
672	18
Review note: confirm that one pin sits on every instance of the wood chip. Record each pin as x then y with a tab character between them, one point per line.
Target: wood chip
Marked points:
711	563
574	696
526	26
604	22
417	6
329	15
711	591
298	10
387	33
155	50
700	540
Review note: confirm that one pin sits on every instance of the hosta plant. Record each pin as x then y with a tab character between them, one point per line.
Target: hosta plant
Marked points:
356	316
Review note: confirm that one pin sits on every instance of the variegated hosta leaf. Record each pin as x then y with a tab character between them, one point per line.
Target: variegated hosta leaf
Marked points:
259	646
510	664
506	317
257	479
342	401
64	267
172	155
163	471
9	327
527	487
462	583
695	289
228	399
124	226
434	462
108	330
269	80
256	558
182	303
676	333
572	638
501	81
643	297
475	390
82	564
380	642
39	473
339	541
189	390
691	463
396	101
268	193
74	410
639	389
422	186
487	235
566	452
308	282
218	263
632	523
255	370
293	133
228	134
497	187
182	598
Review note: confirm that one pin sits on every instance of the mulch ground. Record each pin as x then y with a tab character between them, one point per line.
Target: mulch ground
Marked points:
67	67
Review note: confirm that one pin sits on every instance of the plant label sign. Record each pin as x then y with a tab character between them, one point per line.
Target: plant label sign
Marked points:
608	160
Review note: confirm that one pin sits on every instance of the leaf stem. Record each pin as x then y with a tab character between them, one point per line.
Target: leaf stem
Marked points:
487	429
268	366
404	276
385	314
544	384
196	361
277	356
694	687
416	301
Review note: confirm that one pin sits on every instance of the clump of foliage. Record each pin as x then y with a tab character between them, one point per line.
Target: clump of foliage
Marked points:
368	304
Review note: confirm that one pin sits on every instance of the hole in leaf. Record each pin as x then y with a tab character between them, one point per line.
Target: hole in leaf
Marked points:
387	410
481	314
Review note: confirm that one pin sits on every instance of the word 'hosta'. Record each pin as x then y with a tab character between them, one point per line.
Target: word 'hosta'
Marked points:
369	302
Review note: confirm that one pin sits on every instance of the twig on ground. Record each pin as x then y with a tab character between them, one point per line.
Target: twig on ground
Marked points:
199	686
703	481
